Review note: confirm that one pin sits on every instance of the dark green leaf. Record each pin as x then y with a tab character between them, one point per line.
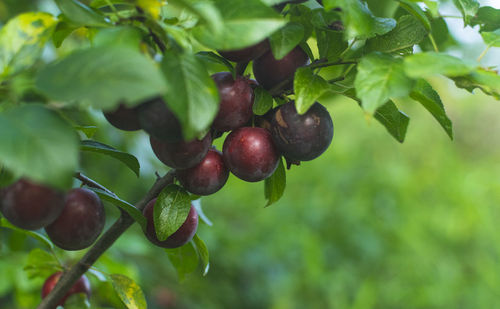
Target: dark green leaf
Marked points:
440	34
202	253
135	213
394	120
126	158
62	31
102	76
379	78
488	18
184	259
308	88
126	36
80	14
44	240
431	63
429	98
492	38
41	264
210	57
274	186
263	101
35	142
170	211
22	40
6	177
129	292
468	8
330	44
205	11
285	39
487	81
89	131
408	32
416	11
192	94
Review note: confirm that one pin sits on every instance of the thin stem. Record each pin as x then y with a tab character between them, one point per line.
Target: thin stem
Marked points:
431	37
92	183
450	16
241	67
485	51
69	277
347	49
337	79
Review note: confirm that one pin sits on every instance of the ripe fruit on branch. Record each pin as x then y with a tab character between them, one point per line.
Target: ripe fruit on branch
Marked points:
250	154
206	178
124	118
81	286
159	121
264	121
180	237
246	54
302	137
236	100
181	155
80	222
29	205
270	72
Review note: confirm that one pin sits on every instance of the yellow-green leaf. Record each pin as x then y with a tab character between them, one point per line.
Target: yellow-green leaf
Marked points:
128	291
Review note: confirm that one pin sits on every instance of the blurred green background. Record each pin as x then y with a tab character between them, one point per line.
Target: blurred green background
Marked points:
370	224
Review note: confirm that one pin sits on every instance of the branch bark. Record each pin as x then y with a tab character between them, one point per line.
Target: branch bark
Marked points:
69	277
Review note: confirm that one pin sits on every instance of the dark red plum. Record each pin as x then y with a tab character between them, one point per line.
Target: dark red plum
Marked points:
124	118
180	237
81	221
246	54
81	286
302	137
29	205
250	154
181	155
270	72
206	178
159	121
236	100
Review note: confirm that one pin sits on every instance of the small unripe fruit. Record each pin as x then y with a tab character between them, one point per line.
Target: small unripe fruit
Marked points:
206	178
270	72
81	221
236	100
180	237
159	121
246	54
124	118
250	154
29	205
181	155
302	137
81	286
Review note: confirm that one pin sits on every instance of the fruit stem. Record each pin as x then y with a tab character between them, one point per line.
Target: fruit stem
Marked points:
91	183
241	67
69	278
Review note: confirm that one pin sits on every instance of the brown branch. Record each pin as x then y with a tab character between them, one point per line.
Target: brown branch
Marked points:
69	278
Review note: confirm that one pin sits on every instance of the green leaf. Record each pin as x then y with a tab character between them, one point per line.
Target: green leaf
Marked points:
308	88
408	32
274	186
468	8
488	17
394	120
330	44
192	95
358	20
211	57
202	250
487	81
102	76
129	292
417	12
246	22
184	259
35	142
431	63
429	98
89	131
262	102
379	78
80	14
77	301
22	40
205	11
492	38
126	158
170	211
126	36
285	39
6	177
41	264
62	31
135	213
44	240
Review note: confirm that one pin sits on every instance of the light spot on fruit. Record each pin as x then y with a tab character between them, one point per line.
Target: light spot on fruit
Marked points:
279	119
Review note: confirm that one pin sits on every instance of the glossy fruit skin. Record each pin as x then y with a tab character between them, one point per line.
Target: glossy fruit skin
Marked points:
270	72
159	121
264	121
302	137
124	118
236	101
250	154
246	54
81	221
29	205
180	237
81	286
206	178
181	155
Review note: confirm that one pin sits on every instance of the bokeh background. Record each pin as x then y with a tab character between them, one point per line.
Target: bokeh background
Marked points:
370	224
